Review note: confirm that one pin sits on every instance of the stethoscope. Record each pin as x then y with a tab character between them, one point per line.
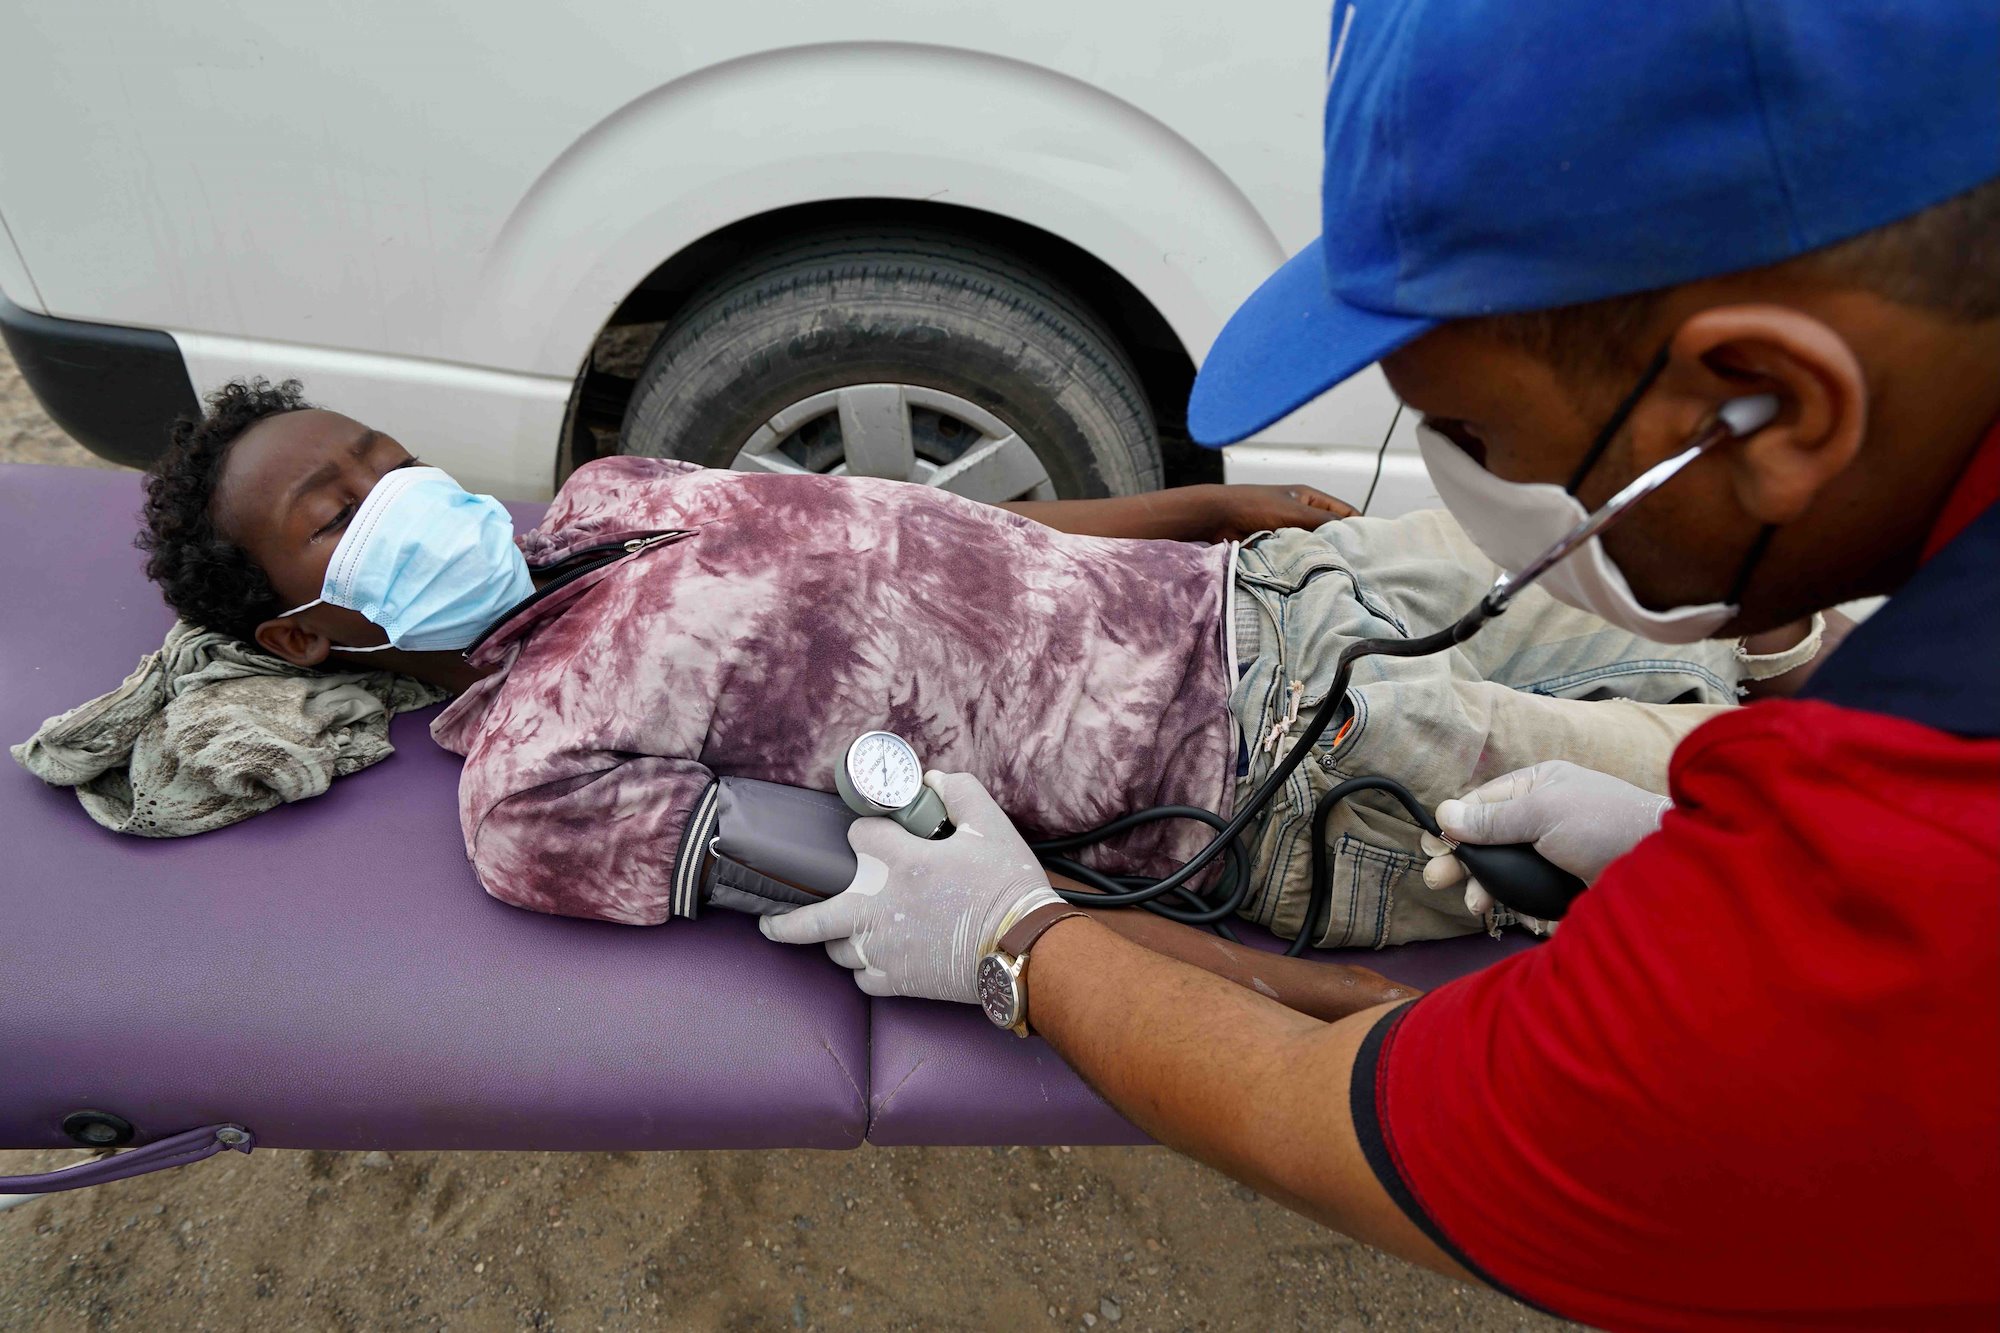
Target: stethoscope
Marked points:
881	775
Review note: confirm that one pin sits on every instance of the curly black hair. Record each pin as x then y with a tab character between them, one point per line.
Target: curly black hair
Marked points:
205	577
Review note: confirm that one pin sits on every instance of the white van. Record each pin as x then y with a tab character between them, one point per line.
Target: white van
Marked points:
978	245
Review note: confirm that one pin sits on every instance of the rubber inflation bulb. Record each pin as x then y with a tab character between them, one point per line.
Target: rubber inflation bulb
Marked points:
1522	878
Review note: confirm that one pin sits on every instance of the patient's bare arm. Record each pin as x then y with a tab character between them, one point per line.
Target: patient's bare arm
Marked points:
1189	513
1323	990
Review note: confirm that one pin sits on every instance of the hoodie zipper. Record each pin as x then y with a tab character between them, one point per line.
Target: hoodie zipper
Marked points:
574	566
611	550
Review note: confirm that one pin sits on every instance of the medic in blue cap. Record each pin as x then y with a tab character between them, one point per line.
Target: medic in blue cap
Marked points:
1754	1080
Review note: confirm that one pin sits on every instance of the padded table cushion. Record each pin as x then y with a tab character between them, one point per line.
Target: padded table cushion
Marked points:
330	974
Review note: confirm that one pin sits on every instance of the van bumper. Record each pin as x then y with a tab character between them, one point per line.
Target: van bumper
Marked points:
115	390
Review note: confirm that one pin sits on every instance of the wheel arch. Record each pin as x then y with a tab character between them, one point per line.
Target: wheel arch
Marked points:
1162	360
1114	202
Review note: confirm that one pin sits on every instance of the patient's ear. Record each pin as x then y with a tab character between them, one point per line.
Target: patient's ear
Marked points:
296	643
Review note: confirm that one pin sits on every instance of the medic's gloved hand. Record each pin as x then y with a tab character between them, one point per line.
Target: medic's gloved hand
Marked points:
921	913
1579	818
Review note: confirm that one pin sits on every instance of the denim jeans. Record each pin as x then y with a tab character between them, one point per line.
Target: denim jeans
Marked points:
1541	682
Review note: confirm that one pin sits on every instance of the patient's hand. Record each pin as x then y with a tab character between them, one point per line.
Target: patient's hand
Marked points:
1239	511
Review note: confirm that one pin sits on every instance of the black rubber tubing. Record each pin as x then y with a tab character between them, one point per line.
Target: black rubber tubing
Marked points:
1523	879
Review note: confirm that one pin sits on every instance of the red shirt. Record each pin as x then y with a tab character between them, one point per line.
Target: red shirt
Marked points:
1754	1081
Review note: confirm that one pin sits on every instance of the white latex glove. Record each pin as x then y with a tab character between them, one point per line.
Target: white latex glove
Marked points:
1579	818
921	913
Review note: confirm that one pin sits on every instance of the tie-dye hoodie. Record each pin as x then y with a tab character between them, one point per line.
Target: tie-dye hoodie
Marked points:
758	623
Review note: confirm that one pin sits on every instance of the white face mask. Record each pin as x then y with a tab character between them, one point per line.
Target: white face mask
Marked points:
430	564
1514	523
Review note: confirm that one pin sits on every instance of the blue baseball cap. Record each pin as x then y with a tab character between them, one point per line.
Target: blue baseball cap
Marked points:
1486	156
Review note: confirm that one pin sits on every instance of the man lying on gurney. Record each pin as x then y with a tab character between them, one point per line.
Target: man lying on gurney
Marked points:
667	626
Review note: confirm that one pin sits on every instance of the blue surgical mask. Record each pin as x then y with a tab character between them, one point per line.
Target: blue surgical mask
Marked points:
431	564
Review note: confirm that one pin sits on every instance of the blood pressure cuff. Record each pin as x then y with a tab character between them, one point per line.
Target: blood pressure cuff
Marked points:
772	848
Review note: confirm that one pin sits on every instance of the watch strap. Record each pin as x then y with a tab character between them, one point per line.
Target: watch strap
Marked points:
1021	936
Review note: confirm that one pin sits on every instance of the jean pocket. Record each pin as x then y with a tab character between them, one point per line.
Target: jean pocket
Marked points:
1303	581
1292	575
1366	883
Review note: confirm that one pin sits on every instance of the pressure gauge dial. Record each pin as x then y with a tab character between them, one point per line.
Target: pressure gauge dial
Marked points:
884	771
881	775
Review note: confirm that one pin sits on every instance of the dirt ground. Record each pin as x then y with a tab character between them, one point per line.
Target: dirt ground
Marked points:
873	1239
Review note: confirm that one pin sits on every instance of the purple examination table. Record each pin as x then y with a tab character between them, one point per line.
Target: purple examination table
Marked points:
329	975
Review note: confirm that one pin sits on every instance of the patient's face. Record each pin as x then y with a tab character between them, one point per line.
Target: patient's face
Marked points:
288	490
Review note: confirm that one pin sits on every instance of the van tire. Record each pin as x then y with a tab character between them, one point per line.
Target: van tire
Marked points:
906	307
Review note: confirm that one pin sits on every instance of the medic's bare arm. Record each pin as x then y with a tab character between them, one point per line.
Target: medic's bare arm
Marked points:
1223	1074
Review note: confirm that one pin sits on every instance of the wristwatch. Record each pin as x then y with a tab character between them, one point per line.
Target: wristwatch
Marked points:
1003	974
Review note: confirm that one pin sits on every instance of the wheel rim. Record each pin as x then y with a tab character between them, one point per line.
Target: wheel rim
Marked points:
903	432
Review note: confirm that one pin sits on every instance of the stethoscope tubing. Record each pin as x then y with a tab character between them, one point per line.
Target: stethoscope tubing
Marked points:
1134	892
1733	420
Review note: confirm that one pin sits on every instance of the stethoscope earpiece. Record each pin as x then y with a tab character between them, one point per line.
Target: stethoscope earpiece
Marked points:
1747	415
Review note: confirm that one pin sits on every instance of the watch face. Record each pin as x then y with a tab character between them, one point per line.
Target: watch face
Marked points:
884	770
999	992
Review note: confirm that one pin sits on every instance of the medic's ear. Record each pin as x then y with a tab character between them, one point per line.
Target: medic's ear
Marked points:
1730	351
297	643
